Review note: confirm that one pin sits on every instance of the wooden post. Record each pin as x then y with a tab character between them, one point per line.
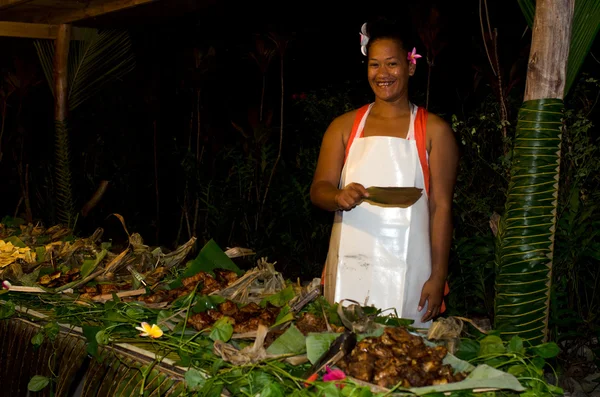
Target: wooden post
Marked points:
61	56
63	178
551	37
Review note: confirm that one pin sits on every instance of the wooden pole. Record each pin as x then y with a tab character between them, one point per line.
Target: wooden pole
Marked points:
61	56
551	37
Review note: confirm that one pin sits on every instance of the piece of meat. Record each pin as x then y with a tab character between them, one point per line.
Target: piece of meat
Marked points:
156	297
309	322
361	370
200	321
226	277
228	308
107	288
246	326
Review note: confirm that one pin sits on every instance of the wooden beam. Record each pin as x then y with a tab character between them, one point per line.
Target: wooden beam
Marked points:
28	30
36	31
95	10
11	3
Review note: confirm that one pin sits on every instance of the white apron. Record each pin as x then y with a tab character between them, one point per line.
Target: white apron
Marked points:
381	256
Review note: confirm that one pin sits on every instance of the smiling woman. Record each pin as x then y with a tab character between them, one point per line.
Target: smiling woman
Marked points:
390	257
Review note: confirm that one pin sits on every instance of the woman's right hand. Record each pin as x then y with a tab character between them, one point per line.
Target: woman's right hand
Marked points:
350	196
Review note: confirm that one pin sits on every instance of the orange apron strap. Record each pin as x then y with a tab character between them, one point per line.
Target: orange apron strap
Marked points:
420	137
359	115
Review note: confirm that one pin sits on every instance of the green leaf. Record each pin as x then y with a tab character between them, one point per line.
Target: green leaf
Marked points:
357	391
89	265
317	344
37	383
272	390
281	298
547	350
51	330
194	379
285	315
135	313
585	26
222	329
102	337
40	252
16	241
7	309
468	349
482	377
37	339
393	321
207	302
517	370
490	345
526	229
516	345
210	257
9	221
90	335
292	341
329	389
528	10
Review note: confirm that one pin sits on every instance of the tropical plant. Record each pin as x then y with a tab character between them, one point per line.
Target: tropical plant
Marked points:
525	244
100	57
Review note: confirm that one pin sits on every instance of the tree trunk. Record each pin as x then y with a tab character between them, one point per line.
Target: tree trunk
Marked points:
526	232
63	177
551	37
61	57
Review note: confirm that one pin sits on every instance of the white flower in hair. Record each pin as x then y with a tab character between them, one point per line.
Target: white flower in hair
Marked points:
364	39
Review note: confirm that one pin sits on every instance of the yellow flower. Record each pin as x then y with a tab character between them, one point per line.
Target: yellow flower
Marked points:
153	331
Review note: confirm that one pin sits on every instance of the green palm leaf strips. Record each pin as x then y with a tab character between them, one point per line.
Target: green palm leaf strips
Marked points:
99	58
526	233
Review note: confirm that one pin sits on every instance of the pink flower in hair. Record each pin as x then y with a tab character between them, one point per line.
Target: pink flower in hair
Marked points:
413	56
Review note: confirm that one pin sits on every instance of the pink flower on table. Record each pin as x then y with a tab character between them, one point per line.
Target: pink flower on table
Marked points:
413	56
333	374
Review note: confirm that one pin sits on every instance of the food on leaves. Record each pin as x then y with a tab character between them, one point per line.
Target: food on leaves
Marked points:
399	356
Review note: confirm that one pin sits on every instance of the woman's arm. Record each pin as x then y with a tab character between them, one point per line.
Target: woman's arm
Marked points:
324	191
443	167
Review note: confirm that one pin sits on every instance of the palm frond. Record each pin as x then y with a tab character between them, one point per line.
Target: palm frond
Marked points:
586	23
525	242
99	58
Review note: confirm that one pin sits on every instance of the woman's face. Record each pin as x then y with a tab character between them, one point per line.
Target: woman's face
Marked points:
388	69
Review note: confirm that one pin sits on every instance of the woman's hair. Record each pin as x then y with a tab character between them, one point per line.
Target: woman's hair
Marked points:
388	28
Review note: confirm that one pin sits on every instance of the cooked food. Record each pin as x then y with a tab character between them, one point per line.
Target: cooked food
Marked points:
398	356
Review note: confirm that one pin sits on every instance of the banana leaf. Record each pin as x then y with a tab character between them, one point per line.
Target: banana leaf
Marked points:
586	23
402	197
525	239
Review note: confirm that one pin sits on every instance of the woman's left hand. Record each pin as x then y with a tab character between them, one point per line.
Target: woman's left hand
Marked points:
432	293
